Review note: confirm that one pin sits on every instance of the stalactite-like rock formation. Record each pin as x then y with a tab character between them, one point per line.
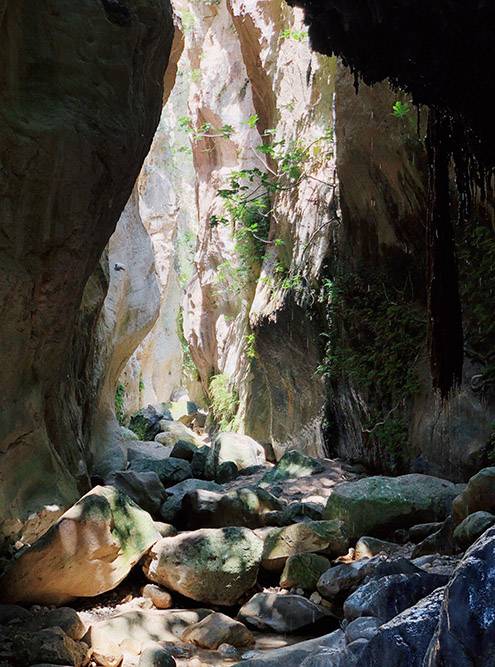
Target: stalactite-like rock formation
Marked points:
81	93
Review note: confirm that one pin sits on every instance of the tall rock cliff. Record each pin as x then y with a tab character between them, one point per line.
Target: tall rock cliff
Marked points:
81	94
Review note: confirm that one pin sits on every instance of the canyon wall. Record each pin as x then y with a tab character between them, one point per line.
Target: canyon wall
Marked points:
81	97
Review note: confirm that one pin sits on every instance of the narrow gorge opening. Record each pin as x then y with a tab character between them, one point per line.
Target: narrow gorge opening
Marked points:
247	408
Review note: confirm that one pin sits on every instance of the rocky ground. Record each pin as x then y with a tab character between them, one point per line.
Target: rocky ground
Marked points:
196	552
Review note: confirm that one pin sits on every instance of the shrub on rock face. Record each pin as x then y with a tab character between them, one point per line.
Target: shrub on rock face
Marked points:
213	565
374	504
465	636
88	551
292	465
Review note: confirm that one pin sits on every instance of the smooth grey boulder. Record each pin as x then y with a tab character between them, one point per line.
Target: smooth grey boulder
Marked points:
472	527
293	464
137	449
280	612
292	656
364	627
386	597
172	504
240	507
156	656
367	547
465	636
346	577
403	641
374	504
144	488
421	531
170	470
479	495
240	449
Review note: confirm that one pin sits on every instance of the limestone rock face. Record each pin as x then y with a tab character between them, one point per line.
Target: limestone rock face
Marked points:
89	551
75	131
209	565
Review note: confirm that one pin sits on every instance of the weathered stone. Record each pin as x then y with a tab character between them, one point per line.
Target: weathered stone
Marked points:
147	450
328	537
65	618
374	504
465	636
50	645
303	571
208	565
240	507
172	504
199	459
404	640
90	550
472	527
423	530
293	464
364	627
386	597
479	495
292	656
240	449
12	612
217	629
165	529
134	630
226	472
170	471
441	542
184	449
144	488
146	423
344	578
281	612
156	656
301	511
173	432
367	547
160	598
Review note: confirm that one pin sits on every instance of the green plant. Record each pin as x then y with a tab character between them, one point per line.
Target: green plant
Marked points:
250	345
224	401
119	404
189	370
400	109
295	35
195	75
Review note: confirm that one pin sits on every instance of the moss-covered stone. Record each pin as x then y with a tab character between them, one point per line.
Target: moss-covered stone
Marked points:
293	464
303	571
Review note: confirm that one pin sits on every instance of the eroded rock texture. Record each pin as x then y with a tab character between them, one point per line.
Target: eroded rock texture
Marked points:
81	94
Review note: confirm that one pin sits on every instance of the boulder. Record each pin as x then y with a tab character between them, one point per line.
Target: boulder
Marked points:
301	511
165	529
209	565
386	597
342	579
479	495
440	542
328	537
364	627
65	618
160	598
281	612
199	459
292	656
465	636
374	504
147	450
241	507
170	471
146	423
303	571
134	630
293	464
241	449
50	646
184	450
156	656
423	530
175	494
472	527
226	472
144	488
217	629
403	641
171	432
88	551
367	547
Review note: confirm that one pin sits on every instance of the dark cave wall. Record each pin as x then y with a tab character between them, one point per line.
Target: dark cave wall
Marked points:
81	93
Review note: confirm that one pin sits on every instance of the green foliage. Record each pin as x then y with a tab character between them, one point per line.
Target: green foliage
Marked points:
224	401
295	35
189	370
250	345
375	332
195	75
400	109
119	404
188	21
